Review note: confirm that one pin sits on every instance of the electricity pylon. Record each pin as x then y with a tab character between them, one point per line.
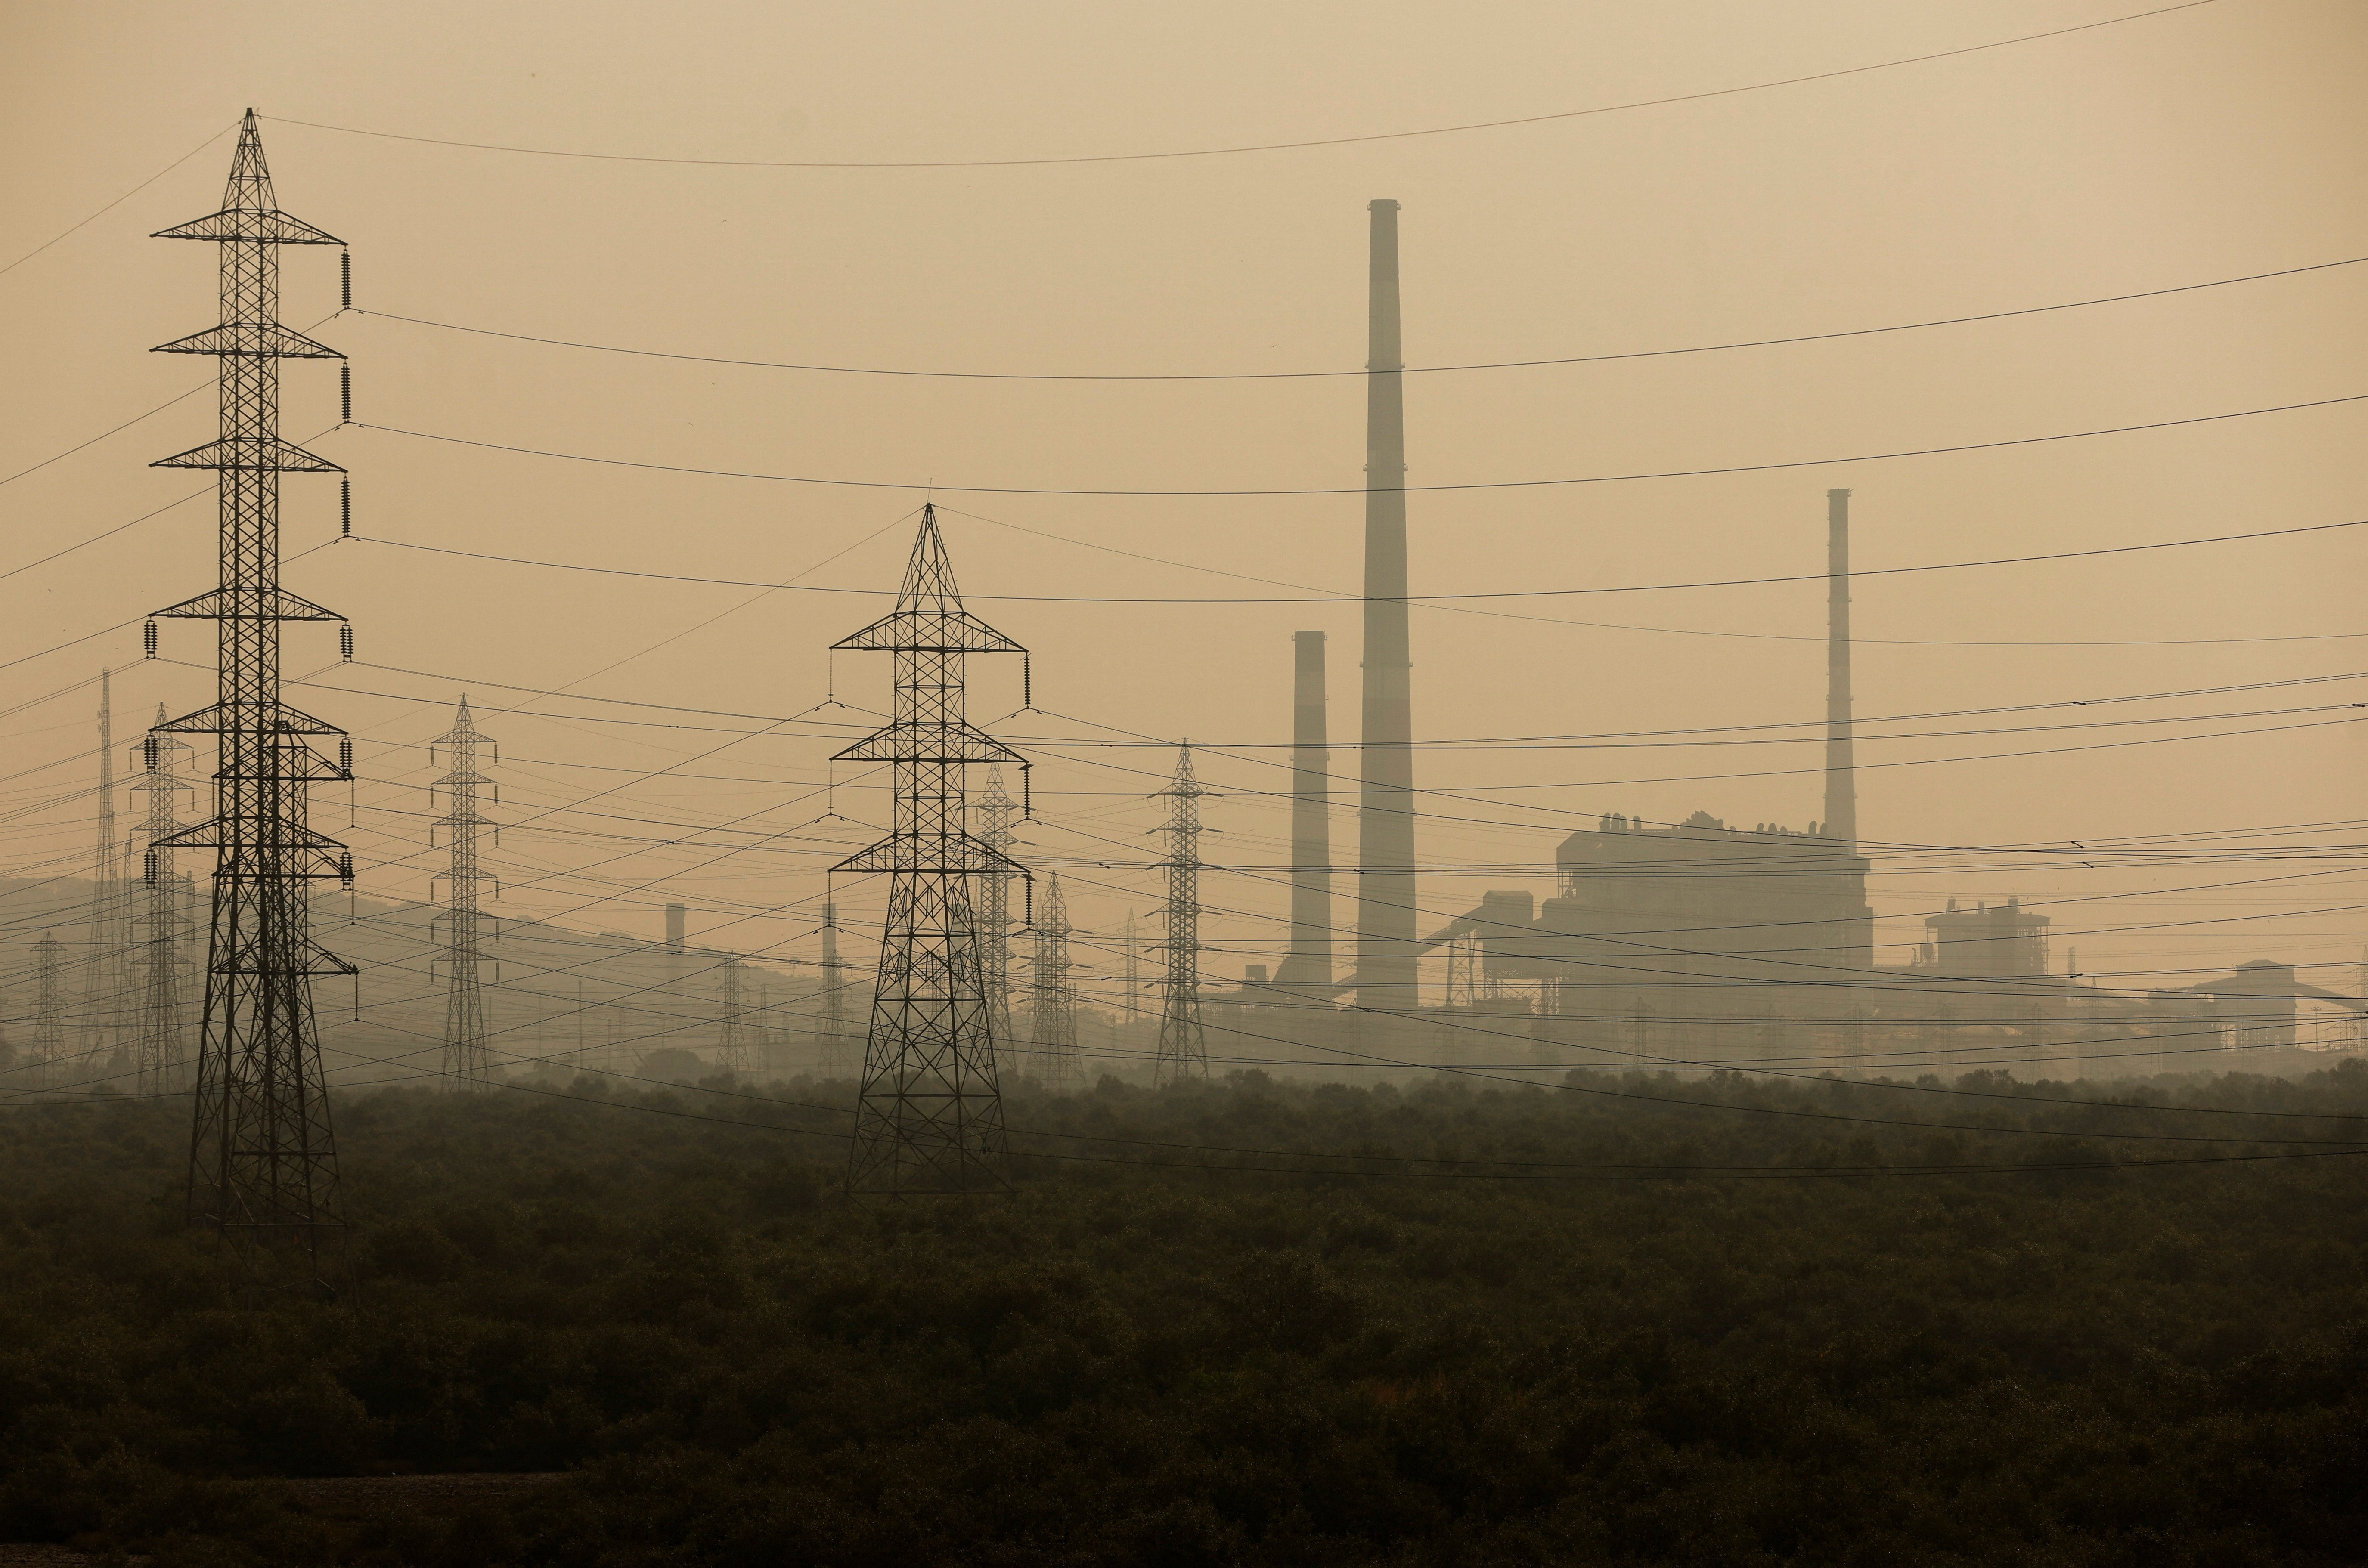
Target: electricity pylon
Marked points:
162	1058
1052	997
467	1063
735	1022
1183	1052
995	813
49	1012
834	1062
107	996
263	1164
930	1113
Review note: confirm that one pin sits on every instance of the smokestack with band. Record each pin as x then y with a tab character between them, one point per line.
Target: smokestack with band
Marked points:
1310	961
1842	765
1386	881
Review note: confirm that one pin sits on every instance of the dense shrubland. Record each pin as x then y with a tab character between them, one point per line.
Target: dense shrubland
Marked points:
1634	1326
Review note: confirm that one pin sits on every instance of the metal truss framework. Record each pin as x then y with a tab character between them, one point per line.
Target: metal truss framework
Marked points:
49	1012
161	1057
833	1063
1052	998
467	1062
263	1162
995	810
1183	1053
109	1002
929	1115
733	1031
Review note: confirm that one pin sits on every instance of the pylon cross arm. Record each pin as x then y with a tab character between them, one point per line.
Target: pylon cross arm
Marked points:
928	742
931	631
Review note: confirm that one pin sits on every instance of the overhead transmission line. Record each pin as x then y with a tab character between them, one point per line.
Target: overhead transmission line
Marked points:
794	587
1270	146
936	485
1361	372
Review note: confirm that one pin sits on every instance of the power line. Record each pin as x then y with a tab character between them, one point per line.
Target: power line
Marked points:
119	201
1267	146
1410	599
1320	375
931	486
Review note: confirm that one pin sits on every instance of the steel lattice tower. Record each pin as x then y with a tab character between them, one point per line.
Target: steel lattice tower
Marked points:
107	996
995	813
160	1062
263	1163
1052	997
467	1063
48	1010
834	1062
930	1113
1183	1052
734	1031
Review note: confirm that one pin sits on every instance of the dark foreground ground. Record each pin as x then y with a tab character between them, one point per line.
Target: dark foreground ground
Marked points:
1640	1327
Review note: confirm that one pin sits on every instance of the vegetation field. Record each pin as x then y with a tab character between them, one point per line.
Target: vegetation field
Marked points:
1630	1321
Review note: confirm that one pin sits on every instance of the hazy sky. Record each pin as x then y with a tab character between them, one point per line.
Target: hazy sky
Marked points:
2215	142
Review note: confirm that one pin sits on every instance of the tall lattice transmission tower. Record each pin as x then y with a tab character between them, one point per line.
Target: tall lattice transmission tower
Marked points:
263	1164
734	1023
995	810
49	1012
834	1062
467	1063
109	999
1183	1052
930	1111
1052	997
160	1059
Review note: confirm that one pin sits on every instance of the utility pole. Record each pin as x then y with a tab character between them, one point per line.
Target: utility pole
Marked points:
49	1011
263	1164
996	809
929	1115
734	1032
107	998
1134	974
834	1062
1183	1054
162	1062
1053	996
467	1062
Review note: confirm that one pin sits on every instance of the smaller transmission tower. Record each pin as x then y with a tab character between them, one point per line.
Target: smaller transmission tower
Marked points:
108	999
49	1012
1183	1052
467	1065
735	1030
834	1052
996	809
1052	997
162	1060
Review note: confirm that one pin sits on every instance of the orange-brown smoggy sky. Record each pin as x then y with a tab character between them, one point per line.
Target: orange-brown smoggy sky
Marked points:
2211	143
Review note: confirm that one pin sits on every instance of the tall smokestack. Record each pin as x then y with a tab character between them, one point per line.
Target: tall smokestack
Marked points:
674	912
1310	961
1842	765
1386	883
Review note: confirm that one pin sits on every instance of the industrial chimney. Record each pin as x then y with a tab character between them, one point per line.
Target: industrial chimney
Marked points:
1386	954
1310	961
674	928
1841	776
